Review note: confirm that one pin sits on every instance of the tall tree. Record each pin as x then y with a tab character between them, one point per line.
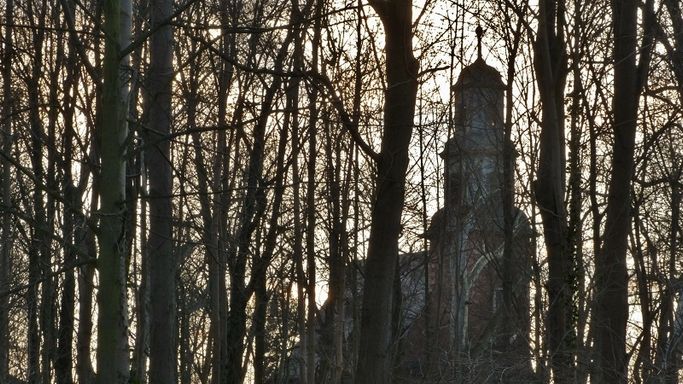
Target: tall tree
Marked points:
550	61
374	362
38	254
251	215
6	239
64	357
112	323
162	262
310	349
611	310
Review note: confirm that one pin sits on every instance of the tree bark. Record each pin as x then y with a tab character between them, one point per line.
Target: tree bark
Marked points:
298	248
162	262
611	312
112	324
551	70
258	281
6	236
64	357
311	313
374	363
84	366
336	264
37	247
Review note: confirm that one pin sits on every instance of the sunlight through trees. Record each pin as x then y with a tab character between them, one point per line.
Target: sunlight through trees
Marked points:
327	191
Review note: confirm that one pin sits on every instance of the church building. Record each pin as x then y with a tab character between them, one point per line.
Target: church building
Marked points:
465	303
474	326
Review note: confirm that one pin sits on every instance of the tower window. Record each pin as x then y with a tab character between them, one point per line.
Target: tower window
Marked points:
497	298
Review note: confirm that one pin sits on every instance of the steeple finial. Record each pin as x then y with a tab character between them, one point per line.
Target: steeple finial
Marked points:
480	33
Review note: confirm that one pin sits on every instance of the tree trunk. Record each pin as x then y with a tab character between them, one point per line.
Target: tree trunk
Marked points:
611	312
112	324
374	363
336	264
86	243
252	212
49	286
162	264
258	281
298	248
64	358
551	70
6	236
260	336
311	323
36	252
142	326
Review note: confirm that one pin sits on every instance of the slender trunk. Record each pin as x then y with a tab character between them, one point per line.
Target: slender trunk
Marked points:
353	175
87	245
64	358
284	324
643	364
298	249
260	342
551	70
136	219
137	233
399	109
515	303
337	286
344	353
49	296
611	274
6	236
184	339
575	225
252	212
260	265
162	264
112	324
142	326
37	235
311	323
673	351
212	252
210	209
229	13
310	357
596	218
84	367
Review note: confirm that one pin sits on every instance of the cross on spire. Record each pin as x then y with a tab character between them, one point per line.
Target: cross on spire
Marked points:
480	33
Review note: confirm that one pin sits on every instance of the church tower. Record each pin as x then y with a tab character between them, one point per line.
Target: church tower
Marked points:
464	307
474	155
475	326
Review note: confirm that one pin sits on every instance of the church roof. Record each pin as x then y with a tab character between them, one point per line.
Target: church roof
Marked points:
479	75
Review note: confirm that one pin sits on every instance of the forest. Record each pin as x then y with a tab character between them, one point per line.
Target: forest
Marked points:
273	191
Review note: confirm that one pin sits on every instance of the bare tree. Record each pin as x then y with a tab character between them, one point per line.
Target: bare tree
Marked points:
551	71
611	312
163	343
374	362
112	324
6	237
64	358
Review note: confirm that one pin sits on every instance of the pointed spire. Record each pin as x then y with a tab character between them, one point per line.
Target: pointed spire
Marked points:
480	33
